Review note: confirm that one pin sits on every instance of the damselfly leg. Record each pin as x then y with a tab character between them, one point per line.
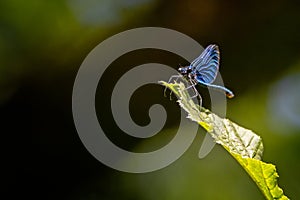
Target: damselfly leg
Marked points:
196	93
176	77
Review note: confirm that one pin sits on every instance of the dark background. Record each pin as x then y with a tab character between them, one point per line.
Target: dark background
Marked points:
42	45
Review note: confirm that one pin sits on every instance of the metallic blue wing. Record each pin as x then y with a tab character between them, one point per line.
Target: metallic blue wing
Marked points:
206	66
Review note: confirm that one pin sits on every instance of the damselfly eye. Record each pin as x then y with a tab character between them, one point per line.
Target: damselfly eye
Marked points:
182	70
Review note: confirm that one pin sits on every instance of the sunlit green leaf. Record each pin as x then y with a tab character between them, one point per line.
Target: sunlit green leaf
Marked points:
243	144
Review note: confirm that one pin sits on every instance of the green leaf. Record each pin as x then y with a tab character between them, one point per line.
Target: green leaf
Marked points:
243	144
264	175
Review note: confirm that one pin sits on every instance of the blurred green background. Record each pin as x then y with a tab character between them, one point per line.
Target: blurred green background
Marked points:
43	43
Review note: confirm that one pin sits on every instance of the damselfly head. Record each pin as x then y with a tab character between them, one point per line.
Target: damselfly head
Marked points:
184	70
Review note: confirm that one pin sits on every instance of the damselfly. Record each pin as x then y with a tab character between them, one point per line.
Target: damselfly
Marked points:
203	70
